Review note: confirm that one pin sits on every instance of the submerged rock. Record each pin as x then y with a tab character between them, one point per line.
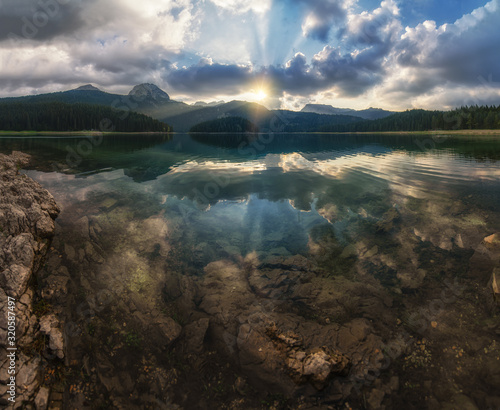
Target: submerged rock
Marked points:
495	281
412	280
195	334
493	241
388	221
319	365
50	326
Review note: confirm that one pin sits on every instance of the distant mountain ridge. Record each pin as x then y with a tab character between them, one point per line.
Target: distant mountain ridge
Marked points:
149	99
368	114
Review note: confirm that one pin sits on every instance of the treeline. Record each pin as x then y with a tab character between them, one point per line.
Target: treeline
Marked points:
226	124
311	122
57	116
464	118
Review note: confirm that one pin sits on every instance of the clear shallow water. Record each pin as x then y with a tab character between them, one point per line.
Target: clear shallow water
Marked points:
282	183
398	213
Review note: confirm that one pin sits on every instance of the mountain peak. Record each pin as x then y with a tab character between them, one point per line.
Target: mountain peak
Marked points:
149	91
87	87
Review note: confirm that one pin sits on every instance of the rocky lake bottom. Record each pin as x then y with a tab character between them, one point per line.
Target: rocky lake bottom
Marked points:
314	272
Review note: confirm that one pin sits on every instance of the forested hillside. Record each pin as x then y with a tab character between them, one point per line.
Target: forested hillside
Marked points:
464	118
227	124
57	116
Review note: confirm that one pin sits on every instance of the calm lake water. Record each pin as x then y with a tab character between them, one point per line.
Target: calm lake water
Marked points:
401	213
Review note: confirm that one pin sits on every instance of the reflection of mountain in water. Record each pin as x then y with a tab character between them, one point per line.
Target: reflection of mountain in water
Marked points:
146	157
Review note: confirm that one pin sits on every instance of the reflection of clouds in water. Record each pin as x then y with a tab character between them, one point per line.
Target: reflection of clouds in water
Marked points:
296	177
393	167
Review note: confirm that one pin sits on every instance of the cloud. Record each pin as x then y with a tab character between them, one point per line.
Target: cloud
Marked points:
380	27
363	54
438	60
115	43
209	76
350	75
323	16
371	36
243	6
40	19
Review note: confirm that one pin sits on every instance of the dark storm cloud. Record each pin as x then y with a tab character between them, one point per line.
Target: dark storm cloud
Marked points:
207	76
40	19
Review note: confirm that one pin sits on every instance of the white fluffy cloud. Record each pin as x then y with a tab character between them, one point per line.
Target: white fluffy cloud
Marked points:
243	6
447	65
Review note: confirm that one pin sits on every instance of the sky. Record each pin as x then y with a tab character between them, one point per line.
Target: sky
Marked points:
393	54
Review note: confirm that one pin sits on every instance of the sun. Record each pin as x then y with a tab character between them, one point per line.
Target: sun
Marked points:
260	94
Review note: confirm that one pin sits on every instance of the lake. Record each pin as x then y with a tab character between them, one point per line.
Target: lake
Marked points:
227	270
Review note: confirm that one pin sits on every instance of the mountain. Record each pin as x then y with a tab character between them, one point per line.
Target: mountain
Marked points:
150	100
149	93
210	104
141	96
368	114
88	87
264	119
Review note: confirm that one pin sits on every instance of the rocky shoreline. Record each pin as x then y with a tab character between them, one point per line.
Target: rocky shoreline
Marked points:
27	214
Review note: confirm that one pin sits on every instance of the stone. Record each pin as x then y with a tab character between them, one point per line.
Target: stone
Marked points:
320	365
349	251
495	281
240	385
42	398
27	213
492	240
19	259
169	329
195	334
317	365
491	246
70	252
50	326
28	374
371	253
460	402
389	219
412	280
375	398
